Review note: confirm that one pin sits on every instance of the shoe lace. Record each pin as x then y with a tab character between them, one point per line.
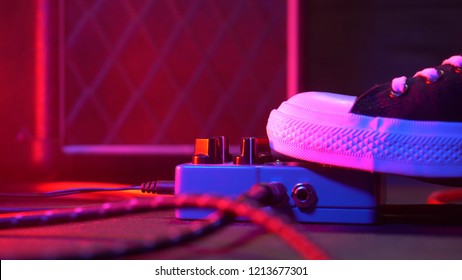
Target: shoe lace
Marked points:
399	85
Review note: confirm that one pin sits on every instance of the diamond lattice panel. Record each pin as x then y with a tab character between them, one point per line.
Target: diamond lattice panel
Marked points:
165	72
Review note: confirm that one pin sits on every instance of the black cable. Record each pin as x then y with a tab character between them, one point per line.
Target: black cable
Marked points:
154	187
68	192
158	187
213	223
269	194
272	223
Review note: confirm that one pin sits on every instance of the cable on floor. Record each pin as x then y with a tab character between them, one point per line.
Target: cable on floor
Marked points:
71	191
245	209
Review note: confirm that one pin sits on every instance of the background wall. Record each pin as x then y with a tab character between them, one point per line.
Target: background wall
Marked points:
16	85
120	89
165	72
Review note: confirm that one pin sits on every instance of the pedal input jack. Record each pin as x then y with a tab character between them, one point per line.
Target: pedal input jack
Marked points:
304	195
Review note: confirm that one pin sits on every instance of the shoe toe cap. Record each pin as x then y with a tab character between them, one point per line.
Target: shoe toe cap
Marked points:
323	101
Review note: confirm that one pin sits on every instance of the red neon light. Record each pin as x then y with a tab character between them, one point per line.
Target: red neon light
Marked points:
41	66
292	47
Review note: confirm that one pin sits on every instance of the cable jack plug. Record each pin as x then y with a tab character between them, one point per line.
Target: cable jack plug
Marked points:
268	194
158	187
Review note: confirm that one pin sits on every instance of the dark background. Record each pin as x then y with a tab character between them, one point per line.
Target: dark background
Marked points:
348	46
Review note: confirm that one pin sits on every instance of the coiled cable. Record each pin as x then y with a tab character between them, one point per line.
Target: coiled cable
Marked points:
229	209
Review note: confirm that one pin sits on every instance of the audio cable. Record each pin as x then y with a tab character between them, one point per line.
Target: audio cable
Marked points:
247	205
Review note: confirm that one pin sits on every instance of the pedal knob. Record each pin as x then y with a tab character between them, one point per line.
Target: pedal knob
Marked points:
213	150
254	150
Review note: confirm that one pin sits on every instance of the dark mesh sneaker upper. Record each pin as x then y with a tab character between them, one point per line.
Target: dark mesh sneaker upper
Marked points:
440	100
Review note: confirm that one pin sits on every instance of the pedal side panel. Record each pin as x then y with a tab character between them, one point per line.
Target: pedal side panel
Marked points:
344	196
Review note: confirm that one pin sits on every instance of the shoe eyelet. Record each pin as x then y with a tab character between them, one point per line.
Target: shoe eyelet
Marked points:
435	79
440	74
396	94
429	75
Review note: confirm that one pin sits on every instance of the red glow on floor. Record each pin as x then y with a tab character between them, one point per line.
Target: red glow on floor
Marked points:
103	195
449	196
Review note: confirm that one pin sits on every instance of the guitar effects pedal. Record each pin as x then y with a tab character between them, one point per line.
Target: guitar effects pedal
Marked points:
318	194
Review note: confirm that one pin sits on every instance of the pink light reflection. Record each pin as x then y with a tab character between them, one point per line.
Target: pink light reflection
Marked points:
292	47
41	84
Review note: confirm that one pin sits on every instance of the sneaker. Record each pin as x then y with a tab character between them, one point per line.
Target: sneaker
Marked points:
411	126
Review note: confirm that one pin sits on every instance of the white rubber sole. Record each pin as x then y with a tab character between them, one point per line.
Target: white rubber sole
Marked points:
317	127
